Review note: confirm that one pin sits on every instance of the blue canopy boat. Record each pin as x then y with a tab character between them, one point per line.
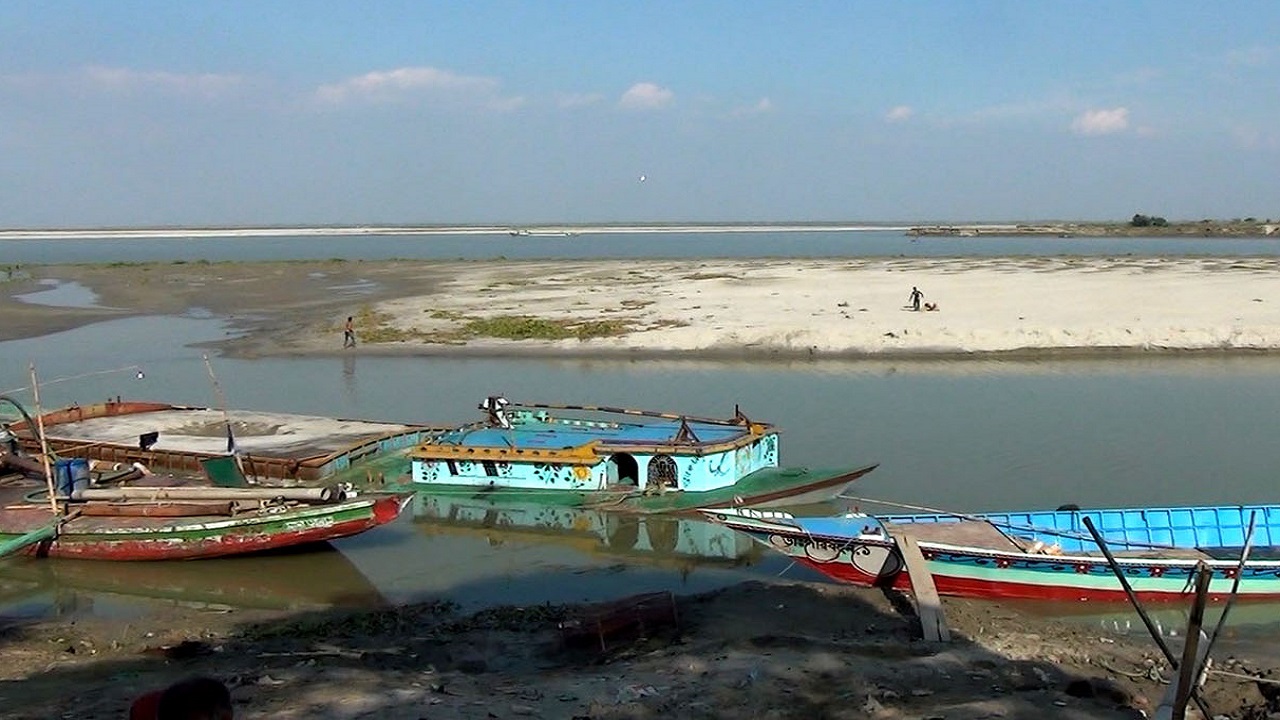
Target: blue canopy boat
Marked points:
618	459
1039	555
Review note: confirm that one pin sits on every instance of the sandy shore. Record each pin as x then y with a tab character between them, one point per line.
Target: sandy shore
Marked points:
698	307
847	307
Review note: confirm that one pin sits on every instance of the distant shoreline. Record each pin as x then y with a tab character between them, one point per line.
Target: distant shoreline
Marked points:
1202	228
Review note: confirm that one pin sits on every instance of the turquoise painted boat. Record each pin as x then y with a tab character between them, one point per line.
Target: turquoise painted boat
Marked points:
618	459
1038	555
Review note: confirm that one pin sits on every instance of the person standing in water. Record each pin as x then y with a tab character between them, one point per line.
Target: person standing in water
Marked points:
916	297
349	333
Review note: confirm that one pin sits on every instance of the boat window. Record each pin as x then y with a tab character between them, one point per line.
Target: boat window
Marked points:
490	468
662	472
453	467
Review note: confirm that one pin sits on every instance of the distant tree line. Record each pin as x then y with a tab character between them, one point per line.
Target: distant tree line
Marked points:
1148	221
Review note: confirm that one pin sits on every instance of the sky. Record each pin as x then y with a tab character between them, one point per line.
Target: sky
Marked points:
285	112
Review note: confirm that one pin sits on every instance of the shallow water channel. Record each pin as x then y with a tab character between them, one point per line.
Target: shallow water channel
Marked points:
955	435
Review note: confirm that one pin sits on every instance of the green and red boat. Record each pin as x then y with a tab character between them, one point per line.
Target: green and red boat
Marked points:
177	528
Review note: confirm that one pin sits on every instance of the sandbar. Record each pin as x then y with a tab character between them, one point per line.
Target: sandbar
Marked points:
706	307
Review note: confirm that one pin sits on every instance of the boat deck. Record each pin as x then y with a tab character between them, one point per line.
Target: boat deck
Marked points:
979	534
204	430
282	445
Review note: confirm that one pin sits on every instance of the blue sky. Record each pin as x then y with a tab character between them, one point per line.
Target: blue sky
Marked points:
283	111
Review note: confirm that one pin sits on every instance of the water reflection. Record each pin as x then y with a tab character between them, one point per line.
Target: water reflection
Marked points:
349	379
315	577
1246	618
674	541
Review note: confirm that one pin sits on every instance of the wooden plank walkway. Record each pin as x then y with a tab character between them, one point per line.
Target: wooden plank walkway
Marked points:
928	605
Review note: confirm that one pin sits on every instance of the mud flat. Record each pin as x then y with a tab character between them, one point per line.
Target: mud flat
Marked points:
770	650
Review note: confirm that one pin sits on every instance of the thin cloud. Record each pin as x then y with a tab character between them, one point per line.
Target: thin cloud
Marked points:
764	105
901	113
205	84
1138	76
577	100
412	82
1101	122
1252	57
646	96
1255	139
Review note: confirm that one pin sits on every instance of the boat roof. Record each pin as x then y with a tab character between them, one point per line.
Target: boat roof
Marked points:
204	430
559	435
538	435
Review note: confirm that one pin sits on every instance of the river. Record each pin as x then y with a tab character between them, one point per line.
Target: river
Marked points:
961	435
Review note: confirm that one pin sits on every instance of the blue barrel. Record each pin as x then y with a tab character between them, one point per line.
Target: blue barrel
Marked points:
62	478
79	474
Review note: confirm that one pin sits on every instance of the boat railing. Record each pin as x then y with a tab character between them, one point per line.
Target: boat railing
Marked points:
738	420
1138	528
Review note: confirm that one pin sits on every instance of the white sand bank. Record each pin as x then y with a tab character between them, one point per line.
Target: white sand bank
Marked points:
861	306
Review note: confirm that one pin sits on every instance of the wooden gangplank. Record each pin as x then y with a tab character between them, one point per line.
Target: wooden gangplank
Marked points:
933	623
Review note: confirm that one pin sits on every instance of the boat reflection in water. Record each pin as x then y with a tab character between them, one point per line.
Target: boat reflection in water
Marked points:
322	577
663	540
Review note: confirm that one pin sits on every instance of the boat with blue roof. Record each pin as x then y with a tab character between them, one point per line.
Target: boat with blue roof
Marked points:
1038	554
619	459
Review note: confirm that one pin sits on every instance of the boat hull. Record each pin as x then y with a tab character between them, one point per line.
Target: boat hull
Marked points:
767	488
143	538
984	573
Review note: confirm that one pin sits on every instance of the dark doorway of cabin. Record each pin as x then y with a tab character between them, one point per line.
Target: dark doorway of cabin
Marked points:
626	469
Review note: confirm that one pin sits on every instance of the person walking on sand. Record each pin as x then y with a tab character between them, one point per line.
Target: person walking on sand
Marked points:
916	297
349	333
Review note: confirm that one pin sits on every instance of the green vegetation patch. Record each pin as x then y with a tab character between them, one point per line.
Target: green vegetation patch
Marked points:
528	327
710	276
376	327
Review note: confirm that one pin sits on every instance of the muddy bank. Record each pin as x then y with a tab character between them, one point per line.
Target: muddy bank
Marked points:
774	650
268	302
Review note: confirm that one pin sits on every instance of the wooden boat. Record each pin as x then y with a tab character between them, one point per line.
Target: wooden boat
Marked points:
1037	555
233	524
179	438
622	460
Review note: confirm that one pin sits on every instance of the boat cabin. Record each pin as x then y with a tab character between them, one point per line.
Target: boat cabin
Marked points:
583	449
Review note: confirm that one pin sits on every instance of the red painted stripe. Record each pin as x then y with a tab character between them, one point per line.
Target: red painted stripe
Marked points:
988	589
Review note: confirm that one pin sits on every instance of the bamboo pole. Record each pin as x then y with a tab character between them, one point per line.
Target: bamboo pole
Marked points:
1142	613
222	402
44	445
1194	646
